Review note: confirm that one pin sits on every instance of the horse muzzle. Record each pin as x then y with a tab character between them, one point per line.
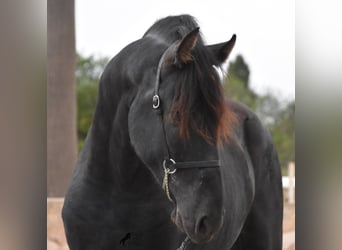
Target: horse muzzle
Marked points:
200	229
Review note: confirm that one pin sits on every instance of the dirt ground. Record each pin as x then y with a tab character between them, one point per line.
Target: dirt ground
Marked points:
56	238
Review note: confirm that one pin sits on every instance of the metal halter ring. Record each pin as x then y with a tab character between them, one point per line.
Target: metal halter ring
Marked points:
168	170
156	101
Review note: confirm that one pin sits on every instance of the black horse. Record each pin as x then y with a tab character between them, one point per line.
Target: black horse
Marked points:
168	163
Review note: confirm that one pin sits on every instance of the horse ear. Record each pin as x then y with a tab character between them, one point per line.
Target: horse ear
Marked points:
221	51
188	43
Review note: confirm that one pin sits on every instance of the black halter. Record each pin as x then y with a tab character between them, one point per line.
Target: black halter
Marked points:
169	164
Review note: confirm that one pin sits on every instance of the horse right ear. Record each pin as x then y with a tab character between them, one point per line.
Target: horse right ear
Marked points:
221	51
185	47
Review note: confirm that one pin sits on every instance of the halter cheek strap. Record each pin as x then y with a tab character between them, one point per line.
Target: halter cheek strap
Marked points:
170	166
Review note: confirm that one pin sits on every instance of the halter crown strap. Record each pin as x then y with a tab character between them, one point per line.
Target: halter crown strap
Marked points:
156	98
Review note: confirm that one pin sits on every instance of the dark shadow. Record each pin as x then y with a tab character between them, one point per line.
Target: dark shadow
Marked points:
124	239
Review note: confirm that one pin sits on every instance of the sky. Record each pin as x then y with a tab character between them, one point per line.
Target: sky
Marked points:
265	32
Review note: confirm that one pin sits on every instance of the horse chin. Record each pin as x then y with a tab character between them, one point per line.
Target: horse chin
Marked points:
201	240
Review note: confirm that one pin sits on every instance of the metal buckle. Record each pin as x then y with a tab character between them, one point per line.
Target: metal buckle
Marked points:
167	169
156	101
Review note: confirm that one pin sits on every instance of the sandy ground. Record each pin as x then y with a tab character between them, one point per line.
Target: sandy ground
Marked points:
55	231
56	238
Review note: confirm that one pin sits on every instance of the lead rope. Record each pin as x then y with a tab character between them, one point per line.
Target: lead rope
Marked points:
166	184
184	244
167	172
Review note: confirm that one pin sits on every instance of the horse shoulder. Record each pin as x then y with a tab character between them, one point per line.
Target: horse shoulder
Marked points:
262	229
257	140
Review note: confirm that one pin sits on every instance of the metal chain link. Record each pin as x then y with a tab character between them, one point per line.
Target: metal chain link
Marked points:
167	172
184	244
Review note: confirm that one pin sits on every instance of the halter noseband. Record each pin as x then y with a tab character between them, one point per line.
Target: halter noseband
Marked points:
170	166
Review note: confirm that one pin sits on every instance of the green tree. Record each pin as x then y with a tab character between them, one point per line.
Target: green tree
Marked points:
89	68
283	133
268	108
88	73
236	83
277	116
240	69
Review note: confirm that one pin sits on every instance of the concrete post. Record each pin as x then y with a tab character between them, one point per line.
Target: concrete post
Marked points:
291	190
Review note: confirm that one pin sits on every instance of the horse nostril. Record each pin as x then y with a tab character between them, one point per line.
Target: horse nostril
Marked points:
202	226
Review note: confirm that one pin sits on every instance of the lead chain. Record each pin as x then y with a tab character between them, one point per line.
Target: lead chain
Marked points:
167	172
166	183
184	244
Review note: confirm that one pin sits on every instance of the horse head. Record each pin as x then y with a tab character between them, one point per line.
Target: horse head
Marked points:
179	116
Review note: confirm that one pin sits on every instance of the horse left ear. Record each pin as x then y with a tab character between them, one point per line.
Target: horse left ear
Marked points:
221	51
188	43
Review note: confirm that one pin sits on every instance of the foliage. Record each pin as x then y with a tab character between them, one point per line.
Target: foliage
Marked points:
89	68
236	83
240	70
282	131
277	116
88	72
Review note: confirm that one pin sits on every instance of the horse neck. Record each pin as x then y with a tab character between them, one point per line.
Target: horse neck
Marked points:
100	128
112	158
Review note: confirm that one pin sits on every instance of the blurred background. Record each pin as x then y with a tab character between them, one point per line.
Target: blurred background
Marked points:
83	36
26	66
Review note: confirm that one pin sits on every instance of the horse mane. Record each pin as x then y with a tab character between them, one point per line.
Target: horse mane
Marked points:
199	102
172	28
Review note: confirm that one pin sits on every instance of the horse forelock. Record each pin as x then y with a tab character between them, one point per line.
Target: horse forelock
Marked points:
199	103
